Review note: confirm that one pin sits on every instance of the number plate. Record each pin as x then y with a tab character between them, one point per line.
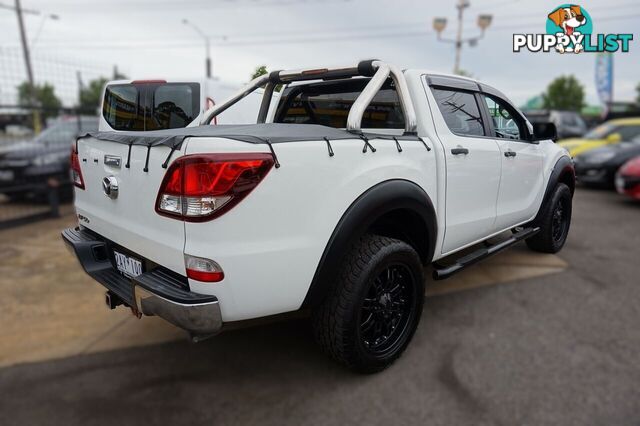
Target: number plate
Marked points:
129	266
6	175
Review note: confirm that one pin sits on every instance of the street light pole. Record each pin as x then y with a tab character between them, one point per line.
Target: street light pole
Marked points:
42	22
439	24
208	60
207	46
462	4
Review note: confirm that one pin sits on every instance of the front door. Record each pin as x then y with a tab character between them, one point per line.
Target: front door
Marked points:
522	180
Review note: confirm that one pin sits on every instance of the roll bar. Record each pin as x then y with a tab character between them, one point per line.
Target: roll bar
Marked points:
378	71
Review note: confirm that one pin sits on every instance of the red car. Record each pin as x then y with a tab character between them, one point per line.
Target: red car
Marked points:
628	178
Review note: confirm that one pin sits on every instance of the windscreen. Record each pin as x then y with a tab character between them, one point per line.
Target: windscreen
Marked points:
151	106
328	104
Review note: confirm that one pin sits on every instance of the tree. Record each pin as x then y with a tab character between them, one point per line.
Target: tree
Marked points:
260	70
91	94
565	93
42	96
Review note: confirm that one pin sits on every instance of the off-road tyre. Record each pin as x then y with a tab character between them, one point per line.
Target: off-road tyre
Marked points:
554	222
379	287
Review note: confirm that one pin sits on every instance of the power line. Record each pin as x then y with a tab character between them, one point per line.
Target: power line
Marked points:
633	5
208	4
421	24
298	40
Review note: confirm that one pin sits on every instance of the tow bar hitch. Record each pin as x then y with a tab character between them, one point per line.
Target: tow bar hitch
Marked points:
112	300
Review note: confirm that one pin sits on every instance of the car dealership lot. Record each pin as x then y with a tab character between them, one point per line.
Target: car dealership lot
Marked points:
560	348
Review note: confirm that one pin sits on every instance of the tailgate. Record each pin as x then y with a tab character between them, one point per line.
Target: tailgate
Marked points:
129	219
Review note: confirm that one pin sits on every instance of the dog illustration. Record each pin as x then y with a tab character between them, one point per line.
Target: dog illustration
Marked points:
568	18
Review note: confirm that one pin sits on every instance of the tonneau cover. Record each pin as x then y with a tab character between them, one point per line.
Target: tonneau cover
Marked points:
251	133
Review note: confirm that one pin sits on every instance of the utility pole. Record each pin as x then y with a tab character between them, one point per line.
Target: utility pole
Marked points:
207	46
27	64
439	25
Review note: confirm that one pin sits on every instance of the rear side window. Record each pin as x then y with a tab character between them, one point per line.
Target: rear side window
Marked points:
151	106
460	111
328	104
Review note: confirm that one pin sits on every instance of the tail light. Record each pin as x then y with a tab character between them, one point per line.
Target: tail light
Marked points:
76	173
202	187
201	269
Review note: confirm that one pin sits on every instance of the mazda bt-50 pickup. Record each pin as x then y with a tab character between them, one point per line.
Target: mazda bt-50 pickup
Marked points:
334	201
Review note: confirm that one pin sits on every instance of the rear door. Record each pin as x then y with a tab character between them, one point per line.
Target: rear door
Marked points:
522	180
472	167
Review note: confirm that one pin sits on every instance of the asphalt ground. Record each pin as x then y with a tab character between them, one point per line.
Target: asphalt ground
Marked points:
561	348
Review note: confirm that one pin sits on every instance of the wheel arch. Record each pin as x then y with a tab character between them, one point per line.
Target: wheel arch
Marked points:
563	172
395	208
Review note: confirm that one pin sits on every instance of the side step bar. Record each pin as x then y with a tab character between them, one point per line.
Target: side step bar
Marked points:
443	272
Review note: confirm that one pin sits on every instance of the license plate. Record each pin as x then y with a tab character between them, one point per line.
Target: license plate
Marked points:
129	266
6	175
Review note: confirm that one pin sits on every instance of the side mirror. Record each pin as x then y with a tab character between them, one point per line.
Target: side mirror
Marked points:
544	131
614	138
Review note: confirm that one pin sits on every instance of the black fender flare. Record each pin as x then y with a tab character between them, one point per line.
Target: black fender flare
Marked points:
385	197
563	171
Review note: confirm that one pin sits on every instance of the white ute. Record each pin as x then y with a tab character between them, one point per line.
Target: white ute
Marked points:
335	201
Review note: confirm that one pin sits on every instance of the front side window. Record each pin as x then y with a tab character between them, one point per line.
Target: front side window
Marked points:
505	124
460	111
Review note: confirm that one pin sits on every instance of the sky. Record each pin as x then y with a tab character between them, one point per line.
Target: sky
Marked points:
147	38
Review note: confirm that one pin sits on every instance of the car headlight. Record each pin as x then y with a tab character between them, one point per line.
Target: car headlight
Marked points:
47	159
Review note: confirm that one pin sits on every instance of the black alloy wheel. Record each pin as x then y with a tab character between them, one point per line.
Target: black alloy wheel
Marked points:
387	309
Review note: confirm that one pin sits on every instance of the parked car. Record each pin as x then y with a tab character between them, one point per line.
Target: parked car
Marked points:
628	178
138	105
569	124
366	174
27	166
622	109
608	133
598	167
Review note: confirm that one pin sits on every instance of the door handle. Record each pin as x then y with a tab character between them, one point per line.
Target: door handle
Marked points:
458	151
510	153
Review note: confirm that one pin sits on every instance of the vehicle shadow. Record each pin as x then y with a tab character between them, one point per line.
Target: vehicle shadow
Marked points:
267	374
157	384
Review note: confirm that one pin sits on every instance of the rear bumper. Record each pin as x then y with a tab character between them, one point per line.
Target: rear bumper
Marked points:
156	292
